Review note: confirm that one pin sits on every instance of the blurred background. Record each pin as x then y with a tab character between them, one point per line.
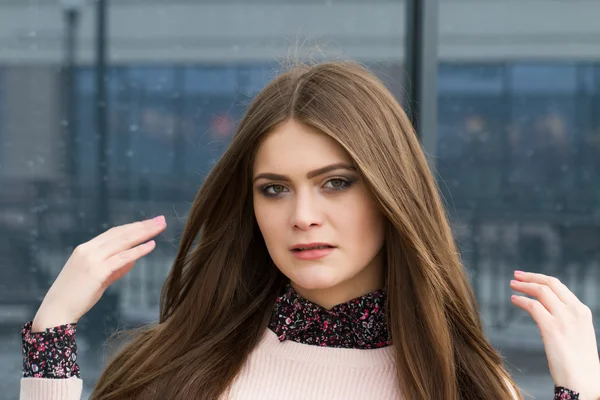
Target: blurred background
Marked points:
114	111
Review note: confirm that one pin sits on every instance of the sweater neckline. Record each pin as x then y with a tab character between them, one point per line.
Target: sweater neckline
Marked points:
333	356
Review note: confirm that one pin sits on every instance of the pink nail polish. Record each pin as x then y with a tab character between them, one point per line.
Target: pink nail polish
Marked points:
160	220
517	272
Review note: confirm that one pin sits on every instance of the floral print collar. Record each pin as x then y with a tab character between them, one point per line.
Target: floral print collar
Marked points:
357	324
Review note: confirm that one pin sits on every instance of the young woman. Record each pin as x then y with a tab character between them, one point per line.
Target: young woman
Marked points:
317	263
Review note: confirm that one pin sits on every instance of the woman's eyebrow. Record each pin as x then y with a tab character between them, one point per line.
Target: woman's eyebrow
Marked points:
309	175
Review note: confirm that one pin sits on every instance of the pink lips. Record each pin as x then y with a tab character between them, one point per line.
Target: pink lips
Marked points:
311	252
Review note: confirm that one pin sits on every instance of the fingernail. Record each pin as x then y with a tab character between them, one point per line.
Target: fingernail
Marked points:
160	220
517	272
513	281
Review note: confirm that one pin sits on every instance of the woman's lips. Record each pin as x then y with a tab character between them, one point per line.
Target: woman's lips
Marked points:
312	254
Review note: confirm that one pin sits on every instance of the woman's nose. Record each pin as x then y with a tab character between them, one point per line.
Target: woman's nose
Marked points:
306	212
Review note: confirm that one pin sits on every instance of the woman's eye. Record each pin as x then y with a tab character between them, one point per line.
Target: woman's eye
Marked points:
333	184
337	184
273	190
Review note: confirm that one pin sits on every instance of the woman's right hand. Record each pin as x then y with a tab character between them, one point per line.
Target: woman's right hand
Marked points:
92	268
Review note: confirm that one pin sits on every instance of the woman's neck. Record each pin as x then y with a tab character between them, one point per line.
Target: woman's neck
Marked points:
366	281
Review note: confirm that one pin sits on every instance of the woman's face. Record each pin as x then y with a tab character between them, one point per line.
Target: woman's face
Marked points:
321	225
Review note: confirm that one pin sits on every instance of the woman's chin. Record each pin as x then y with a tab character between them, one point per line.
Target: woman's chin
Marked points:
315	280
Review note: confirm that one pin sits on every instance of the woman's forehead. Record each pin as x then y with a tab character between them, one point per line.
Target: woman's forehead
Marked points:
294	146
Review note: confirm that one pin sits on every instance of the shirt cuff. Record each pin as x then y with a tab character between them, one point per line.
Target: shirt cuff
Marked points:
50	354
562	393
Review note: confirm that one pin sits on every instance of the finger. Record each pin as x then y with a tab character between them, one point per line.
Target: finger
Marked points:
561	290
107	235
116	263
127	236
542	293
538	312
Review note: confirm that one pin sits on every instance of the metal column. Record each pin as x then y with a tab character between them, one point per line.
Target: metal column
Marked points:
103	319
421	64
102	114
71	15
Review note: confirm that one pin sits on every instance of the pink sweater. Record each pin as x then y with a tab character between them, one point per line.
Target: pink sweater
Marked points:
277	370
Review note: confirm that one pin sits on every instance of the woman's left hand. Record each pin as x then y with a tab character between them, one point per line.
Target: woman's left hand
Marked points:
567	331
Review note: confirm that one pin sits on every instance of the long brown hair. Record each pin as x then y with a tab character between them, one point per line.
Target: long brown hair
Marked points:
218	297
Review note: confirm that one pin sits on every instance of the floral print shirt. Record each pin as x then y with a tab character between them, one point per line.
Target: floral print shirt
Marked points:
356	324
50	354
